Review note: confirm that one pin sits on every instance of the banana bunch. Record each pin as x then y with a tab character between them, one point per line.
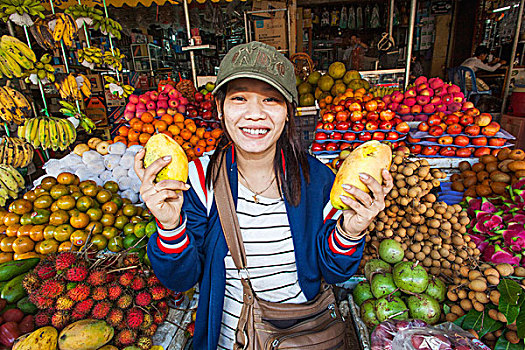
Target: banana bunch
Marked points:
21	7
70	110
48	132
71	87
16	151
123	91
13	105
15	57
43	70
107	25
90	55
79	11
11	182
382	91
65	29
42	34
113	58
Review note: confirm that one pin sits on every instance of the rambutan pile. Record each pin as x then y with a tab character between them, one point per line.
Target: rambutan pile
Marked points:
65	289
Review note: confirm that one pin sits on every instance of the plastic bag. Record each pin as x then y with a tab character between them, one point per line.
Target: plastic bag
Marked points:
111	161
132	174
135	149
132	196
127	160
91	156
384	333
119	172
97	167
105	176
124	183
83	173
71	160
117	148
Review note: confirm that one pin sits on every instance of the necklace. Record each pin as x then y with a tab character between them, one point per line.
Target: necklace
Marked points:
255	194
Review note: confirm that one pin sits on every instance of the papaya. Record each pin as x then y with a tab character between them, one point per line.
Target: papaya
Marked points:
12	269
13	291
44	338
26	306
85	335
369	158
160	145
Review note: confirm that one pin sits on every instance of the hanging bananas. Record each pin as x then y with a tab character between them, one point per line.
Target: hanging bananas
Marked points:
43	71
71	87
48	133
14	106
113	58
15	57
18	11
65	28
11	182
16	151
107	25
112	84
92	55
42	34
84	11
70	110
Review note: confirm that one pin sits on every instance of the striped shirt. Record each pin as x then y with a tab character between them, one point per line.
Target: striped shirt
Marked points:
270	260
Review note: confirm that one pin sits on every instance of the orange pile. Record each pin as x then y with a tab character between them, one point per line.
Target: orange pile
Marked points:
359	95
195	141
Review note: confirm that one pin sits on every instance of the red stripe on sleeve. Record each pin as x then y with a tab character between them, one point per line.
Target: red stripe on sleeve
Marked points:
330	214
202	179
345	246
170	250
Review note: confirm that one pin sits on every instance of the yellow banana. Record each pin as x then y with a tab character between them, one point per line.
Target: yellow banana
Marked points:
60	28
6	100
20	100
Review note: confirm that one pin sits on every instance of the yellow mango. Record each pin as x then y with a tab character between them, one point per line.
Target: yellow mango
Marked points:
85	335
369	158
160	145
44	338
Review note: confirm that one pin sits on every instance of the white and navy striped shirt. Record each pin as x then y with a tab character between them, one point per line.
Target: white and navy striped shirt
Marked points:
270	260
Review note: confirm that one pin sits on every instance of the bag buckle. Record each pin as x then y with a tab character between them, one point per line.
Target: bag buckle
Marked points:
243	274
332	308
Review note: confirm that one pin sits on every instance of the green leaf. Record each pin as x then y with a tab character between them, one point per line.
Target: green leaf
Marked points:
489	325
510	291
510	311
473	320
459	321
504	344
446	309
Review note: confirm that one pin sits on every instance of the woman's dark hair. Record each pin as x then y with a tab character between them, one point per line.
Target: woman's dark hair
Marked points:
480	50
295	157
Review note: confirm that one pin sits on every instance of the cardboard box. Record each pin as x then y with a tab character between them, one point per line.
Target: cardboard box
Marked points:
269	5
272	32
96	111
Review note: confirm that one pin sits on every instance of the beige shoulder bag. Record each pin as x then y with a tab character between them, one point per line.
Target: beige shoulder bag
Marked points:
316	324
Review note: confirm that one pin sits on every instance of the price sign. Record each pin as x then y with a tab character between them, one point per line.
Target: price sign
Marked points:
113	100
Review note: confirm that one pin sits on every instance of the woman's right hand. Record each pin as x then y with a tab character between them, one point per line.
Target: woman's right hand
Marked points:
164	199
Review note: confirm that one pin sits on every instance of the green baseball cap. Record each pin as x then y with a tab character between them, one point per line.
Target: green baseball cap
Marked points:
256	60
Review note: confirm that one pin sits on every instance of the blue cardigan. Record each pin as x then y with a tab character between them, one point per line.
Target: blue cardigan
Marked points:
194	252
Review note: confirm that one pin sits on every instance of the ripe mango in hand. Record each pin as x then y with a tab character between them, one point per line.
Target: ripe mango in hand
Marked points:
369	158
161	145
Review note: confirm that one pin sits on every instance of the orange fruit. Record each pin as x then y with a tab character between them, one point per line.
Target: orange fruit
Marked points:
179	139
174	129
137	125
206	135
123	130
200	132
186	146
133	121
166	132
121	139
216	133
193	140
144	137
12	230
328	99
191	127
146	117
210	141
199	150
134	143
201	143
160	125
190	153
23	245
178	118
133	135
185	134
188	121
24	230
210	148
167	118
148	128
37	233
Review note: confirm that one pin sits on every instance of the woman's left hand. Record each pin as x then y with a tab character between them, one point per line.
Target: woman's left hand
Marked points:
364	208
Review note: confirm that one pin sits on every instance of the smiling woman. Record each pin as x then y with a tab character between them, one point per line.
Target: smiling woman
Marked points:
254	226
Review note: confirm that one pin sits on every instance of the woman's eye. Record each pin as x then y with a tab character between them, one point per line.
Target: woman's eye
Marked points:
237	98
272	99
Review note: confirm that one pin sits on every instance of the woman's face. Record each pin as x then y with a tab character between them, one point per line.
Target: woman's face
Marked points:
254	115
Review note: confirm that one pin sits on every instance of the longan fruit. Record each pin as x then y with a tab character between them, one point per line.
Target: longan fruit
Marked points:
464	270
451	317
462	294
493	313
493	280
519	271
478	306
512	337
478	285
482	297
473	274
456	309
505	269
502	317
494	297
466	305
452	296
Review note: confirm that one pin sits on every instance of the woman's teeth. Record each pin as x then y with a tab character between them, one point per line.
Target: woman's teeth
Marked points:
255	131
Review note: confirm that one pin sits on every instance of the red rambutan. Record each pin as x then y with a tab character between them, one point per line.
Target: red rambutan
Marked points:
51	289
99	293
134	317
143	298
150	331
76	273
41	302
114	291
75	316
101	310
115	317
138	283
79	292
158	292
64	303
162	305
65	260
31	282
126	278
125	337
125	301
84	306
97	277
132	259
45	271
60	319
152	281
159	317
42	319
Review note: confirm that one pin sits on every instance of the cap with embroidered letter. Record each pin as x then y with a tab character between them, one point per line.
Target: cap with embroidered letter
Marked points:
256	60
